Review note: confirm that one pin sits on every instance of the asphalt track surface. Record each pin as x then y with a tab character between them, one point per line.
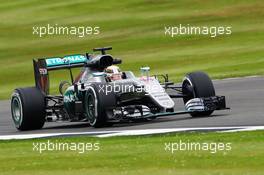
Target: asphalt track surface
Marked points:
245	97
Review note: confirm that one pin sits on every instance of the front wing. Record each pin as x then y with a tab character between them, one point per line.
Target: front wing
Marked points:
205	104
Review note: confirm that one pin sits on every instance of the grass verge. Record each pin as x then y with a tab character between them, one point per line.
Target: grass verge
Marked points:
138	155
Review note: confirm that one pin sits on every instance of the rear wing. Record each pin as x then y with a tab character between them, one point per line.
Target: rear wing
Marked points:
43	66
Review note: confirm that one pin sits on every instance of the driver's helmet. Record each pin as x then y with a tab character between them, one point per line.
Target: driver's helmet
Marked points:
113	72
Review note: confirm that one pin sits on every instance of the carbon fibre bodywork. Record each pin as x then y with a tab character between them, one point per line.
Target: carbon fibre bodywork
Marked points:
130	98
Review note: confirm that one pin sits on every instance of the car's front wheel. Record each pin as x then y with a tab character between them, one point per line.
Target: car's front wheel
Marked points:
197	85
96	104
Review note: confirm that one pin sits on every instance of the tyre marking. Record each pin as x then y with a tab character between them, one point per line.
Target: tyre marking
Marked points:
96	102
16	94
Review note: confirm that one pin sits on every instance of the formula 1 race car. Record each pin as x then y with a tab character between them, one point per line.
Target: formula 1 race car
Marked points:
103	95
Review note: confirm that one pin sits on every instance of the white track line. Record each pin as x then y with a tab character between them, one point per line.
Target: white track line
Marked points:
240	78
102	134
161	131
32	136
250	128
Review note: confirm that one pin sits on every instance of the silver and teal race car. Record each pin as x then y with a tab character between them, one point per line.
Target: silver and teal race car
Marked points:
102	101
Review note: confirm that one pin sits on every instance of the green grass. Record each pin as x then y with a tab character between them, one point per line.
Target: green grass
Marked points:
138	155
135	29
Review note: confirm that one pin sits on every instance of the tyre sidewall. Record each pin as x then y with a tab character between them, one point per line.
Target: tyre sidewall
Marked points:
89	91
17	121
202	87
103	103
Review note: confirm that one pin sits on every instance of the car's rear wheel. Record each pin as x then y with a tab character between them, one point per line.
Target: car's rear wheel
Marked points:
197	85
28	108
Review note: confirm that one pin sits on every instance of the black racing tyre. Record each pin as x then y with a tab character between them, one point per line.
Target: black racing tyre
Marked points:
96	104
197	85
28	108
